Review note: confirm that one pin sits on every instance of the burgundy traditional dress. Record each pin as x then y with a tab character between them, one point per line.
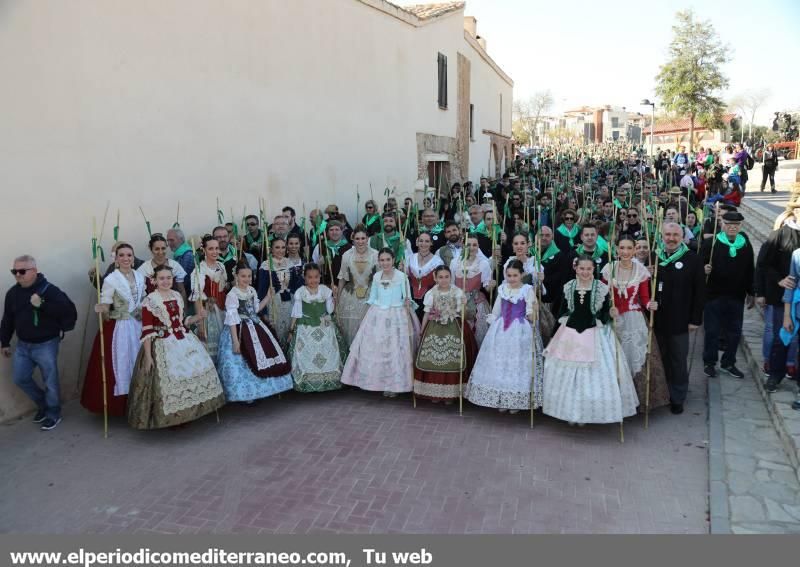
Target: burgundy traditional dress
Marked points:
147	269
421	279
182	383
209	286
631	296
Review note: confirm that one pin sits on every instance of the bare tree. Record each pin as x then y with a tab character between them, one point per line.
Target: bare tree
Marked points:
528	113
747	105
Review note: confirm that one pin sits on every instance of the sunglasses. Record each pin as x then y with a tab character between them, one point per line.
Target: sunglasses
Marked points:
569	218
21	272
632	216
252	224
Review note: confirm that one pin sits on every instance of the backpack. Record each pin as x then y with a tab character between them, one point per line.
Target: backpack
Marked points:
750	162
67	322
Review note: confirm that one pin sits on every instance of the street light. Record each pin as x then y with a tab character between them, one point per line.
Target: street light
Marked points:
646	102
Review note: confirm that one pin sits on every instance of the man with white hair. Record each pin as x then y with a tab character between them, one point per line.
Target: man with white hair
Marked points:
181	251
679	302
38	312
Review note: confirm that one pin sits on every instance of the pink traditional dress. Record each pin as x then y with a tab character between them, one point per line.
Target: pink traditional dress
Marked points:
582	381
631	296
478	276
382	354
420	279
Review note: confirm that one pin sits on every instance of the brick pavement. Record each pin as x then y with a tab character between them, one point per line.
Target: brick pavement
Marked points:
354	462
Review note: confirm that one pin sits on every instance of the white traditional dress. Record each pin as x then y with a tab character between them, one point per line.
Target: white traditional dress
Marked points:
478	276
260	369
581	381
316	356
382	354
357	271
121	335
182	383
511	354
209	284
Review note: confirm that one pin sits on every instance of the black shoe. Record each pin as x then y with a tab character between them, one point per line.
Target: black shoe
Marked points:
39	417
49	424
710	371
771	385
796	404
773	191
733	371
676	409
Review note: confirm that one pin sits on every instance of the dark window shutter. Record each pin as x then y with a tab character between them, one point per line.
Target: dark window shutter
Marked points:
442	75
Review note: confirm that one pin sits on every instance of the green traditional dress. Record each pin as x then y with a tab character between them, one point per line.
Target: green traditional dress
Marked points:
315	351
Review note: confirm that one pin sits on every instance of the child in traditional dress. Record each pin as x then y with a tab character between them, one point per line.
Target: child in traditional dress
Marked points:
382	354
443	361
631	284
508	372
174	379
316	355
585	379
209	285
358	266
251	363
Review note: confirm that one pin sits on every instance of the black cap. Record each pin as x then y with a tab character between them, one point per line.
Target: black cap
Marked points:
733	217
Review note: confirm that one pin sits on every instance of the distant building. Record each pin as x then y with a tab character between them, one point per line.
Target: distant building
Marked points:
594	125
670	134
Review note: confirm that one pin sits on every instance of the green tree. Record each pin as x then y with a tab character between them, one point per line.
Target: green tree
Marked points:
690	82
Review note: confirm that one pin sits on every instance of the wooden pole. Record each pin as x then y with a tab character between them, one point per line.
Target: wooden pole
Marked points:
464	256
650	333
100	330
613	319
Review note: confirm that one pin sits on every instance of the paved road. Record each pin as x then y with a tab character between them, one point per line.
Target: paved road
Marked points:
784	178
350	462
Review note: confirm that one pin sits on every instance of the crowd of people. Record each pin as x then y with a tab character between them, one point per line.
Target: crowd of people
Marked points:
575	283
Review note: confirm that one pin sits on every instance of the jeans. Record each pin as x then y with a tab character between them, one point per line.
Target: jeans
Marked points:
767	173
771	334
674	352
722	316
27	357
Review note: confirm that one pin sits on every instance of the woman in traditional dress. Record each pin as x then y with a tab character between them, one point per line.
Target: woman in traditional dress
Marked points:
294	250
355	277
473	275
443	362
174	380
120	301
209	285
420	269
316	356
382	354
585	381
278	280
533	274
158	248
631	283
511	355
251	362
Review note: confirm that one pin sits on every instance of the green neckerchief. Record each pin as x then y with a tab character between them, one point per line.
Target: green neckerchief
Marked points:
250	240
618	204
372	218
696	230
598	251
602	243
733	247
571	234
182	249
677	255
551	251
334	247
437	228
480	229
230	254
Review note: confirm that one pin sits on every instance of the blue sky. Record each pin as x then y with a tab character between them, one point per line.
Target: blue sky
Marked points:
594	52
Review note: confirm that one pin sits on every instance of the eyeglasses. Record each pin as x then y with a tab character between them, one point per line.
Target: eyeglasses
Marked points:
633	216
20	272
569	218
370	207
252	224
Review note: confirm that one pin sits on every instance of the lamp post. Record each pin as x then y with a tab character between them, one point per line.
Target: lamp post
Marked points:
646	102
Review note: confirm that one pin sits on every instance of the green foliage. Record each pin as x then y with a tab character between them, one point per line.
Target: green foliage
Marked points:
690	82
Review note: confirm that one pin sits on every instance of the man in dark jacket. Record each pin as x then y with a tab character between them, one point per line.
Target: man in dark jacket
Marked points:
557	270
728	261
772	271
769	167
679	300
36	311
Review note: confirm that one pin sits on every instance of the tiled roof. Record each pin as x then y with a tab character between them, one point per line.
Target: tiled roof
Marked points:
682	125
430	11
